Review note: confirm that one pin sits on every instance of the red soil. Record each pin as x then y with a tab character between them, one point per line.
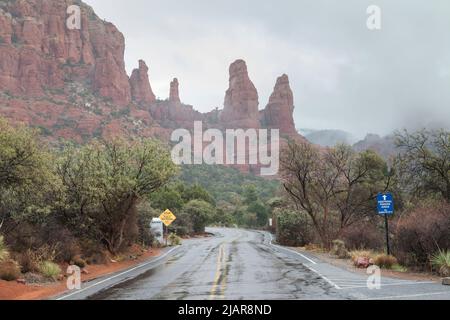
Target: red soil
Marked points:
15	291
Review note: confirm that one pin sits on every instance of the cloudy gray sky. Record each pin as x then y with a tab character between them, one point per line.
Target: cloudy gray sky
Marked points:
343	75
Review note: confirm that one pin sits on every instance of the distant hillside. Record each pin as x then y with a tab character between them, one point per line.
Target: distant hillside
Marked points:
385	146
327	138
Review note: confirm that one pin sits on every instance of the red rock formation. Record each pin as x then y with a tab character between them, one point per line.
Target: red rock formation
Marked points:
38	51
141	91
51	77
174	93
279	112
241	99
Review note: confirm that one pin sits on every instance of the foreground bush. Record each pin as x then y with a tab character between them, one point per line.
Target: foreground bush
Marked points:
422	232
338	249
441	261
9	270
174	240
292	228
356	254
385	261
50	270
363	236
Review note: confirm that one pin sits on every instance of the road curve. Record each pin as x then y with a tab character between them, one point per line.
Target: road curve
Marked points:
236	264
239	264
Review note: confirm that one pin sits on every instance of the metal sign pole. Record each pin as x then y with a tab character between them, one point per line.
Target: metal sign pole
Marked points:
387	234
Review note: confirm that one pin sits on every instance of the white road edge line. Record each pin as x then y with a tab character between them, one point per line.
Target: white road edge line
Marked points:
352	286
312	261
118	275
411	295
298	253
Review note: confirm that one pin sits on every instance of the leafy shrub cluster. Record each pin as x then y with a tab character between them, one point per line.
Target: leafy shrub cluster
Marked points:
421	233
73	203
292	228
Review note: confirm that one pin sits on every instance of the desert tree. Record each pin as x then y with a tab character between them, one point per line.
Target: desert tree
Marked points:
105	182
28	186
423	163
335	187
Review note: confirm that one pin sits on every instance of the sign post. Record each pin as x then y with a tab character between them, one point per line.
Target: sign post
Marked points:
386	209
167	217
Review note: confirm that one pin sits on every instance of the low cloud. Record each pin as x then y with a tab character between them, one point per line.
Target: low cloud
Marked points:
343	75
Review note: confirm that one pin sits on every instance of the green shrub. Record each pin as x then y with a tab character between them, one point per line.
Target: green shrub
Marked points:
9	270
339	249
4	253
174	240
441	261
293	228
50	270
385	261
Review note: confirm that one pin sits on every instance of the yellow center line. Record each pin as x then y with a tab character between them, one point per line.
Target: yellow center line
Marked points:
220	262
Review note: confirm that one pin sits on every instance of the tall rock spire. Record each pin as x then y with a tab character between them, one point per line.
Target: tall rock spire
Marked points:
141	90
174	93
241	99
279	112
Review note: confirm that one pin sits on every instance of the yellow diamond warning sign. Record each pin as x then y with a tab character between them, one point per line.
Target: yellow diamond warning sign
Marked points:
167	217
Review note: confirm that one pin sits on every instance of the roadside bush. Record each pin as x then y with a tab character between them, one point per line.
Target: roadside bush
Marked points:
441	261
363	236
422	232
292	228
79	262
385	261
174	240
27	261
9	270
356	254
49	270
338	249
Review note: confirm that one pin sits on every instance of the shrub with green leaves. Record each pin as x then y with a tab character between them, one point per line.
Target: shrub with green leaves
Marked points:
50	270
174	240
441	261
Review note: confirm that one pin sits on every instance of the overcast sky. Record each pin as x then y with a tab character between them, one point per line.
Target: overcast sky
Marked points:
343	75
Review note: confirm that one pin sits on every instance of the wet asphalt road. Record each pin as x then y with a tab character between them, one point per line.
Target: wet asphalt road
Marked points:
239	264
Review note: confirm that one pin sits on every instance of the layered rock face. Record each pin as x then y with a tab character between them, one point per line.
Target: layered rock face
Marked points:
38	51
174	95
141	91
241	99
279	112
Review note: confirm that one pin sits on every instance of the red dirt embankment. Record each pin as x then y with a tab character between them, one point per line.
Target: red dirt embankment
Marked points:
16	291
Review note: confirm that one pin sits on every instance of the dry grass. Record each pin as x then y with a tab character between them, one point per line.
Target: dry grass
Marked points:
385	261
4	253
50	270
9	270
441	261
355	254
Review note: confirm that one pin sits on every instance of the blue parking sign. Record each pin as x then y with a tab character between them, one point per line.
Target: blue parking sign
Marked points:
385	204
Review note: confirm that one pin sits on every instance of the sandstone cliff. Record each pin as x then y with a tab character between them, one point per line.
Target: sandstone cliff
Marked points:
72	84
